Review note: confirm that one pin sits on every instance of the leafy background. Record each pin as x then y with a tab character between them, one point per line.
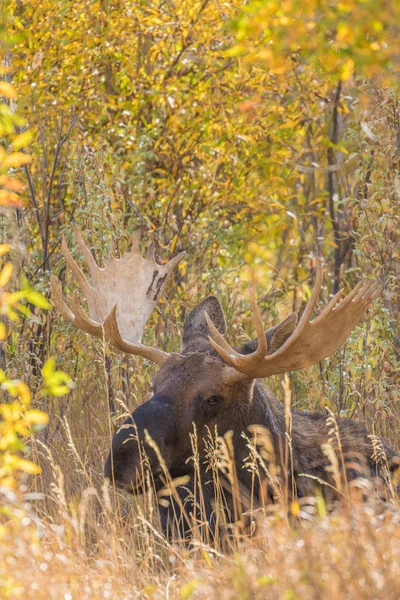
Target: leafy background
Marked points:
254	136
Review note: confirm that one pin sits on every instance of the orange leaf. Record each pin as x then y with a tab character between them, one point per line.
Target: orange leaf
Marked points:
10	199
16	159
12	184
250	107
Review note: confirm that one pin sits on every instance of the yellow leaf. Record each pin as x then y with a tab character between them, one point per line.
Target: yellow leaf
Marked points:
8	482
3	530
7	90
16	159
173	243
22	140
347	69
295	508
3	332
6	274
8	440
24	392
26	466
4	248
36	417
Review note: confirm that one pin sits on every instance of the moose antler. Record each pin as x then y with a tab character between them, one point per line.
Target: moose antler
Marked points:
121	298
310	342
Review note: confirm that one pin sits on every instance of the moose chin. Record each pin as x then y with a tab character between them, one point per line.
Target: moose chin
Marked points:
215	388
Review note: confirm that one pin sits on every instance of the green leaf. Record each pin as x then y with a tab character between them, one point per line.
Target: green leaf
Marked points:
38	300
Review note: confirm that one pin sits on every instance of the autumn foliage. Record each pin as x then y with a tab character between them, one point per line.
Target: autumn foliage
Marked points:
254	136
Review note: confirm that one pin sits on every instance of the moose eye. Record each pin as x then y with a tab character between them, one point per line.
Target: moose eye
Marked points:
214	400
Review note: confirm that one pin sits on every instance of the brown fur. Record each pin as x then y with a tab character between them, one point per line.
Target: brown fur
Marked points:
190	390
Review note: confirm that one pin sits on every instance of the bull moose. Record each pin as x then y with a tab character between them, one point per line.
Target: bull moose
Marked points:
216	388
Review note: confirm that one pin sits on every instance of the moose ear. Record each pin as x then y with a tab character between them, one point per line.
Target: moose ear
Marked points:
276	336
195	329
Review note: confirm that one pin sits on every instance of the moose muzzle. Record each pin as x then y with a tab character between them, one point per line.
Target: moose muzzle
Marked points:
147	433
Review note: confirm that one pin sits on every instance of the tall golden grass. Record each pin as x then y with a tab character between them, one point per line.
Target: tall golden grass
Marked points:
72	536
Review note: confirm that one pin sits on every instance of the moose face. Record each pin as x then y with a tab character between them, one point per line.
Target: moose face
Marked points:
196	388
193	389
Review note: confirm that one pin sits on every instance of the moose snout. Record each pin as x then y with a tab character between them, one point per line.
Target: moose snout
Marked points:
138	444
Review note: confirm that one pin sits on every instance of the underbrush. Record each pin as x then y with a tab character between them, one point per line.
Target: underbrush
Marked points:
69	540
88	550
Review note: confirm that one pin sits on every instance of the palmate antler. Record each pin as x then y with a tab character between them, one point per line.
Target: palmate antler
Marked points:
310	342
121	298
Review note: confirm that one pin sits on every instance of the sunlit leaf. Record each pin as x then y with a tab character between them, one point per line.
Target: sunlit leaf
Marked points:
24	392
36	417
13	184
7	90
5	274
16	159
57	383
26	466
22	140
37	299
10	199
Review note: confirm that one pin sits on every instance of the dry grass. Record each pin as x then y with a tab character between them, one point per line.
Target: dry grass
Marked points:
87	553
88	542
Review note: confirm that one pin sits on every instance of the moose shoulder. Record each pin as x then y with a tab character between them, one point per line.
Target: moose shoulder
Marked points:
215	387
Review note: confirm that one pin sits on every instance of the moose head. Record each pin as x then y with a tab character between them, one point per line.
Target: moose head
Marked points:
208	383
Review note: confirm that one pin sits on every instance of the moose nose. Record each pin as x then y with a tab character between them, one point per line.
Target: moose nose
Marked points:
110	475
153	419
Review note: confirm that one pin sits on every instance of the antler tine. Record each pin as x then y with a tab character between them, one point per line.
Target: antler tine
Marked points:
150	251
231	356
247	363
311	341
110	258
171	264
364	291
91	263
56	293
78	274
78	317
81	319
376	293
135	244
372	291
335	301
219	344
305	317
112	334
351	296
262	347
